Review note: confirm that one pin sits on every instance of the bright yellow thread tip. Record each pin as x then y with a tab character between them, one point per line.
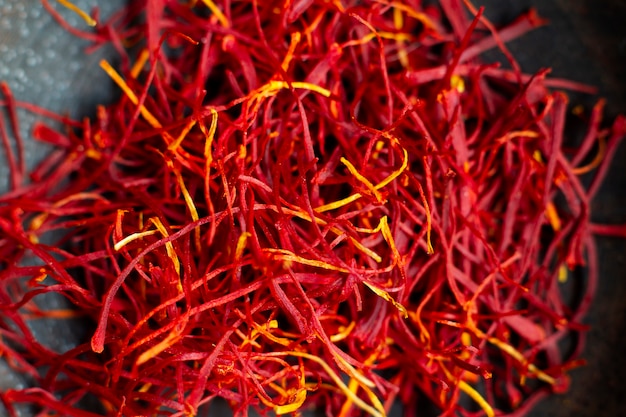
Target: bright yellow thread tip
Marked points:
69	5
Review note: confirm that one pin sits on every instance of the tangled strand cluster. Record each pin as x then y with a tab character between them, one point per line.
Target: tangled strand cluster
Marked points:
309	203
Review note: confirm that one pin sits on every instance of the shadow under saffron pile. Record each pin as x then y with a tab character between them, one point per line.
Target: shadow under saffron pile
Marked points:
329	205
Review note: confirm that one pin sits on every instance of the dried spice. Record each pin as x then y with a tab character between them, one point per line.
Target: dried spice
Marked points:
324	204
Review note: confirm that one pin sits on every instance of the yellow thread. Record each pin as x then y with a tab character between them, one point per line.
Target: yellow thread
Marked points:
299	399
131	95
242	152
340	203
69	5
241	244
169	247
343	332
248	340
553	216
190	205
43	274
217	12
457	83
470	391
265	332
398	37
512	352
290	408
41	218
398	23
350	370
362	179
562	274
208	160
93	154
334	104
183	134
171	339
385	295
119	245
396	173
422	17
295	39
304	216
415	316
51	314
273	86
515	354
370	230
289	256
354	386
518	134
279	389
140	63
387	235
337	380
429	219
337	204
596	160
145	387
474	395
208	140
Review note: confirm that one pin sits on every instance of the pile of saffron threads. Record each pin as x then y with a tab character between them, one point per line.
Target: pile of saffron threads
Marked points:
304	205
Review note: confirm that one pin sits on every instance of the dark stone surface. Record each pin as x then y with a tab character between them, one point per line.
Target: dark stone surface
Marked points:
586	41
45	65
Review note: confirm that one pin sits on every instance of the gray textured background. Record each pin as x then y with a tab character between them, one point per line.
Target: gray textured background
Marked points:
586	42
45	65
